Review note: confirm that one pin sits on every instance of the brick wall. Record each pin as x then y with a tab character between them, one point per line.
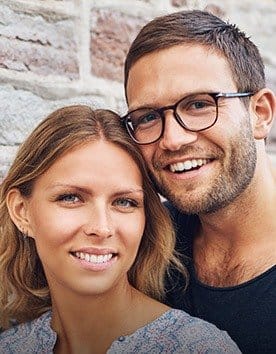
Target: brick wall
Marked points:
59	52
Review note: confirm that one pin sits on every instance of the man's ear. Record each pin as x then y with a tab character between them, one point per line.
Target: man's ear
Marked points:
263	105
18	209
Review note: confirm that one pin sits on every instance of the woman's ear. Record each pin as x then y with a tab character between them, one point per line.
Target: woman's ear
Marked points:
263	105
18	209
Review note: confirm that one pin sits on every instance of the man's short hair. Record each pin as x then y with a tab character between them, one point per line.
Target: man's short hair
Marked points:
202	28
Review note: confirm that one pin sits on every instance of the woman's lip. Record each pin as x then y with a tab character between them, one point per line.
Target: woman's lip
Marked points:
94	250
96	267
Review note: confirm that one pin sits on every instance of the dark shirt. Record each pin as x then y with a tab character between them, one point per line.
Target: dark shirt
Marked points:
246	311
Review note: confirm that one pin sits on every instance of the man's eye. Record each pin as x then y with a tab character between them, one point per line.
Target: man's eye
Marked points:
197	107
69	198
125	203
199	104
147	118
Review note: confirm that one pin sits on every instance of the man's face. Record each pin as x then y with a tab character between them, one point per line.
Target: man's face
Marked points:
200	172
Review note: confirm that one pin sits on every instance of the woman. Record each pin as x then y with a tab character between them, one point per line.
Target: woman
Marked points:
85	245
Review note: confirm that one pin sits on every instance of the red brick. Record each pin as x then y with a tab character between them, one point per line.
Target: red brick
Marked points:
272	137
179	3
215	10
111	35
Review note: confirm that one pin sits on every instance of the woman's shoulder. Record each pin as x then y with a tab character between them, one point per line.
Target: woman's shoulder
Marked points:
29	337
176	332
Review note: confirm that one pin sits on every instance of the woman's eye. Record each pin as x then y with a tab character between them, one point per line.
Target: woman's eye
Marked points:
125	203
69	198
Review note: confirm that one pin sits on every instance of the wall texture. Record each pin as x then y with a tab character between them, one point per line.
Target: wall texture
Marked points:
59	52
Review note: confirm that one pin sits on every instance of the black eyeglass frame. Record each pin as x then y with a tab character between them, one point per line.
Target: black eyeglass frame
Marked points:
215	95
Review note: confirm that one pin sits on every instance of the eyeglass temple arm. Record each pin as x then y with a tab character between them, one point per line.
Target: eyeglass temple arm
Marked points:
234	94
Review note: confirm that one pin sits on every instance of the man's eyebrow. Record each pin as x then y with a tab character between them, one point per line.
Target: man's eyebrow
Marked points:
179	97
142	106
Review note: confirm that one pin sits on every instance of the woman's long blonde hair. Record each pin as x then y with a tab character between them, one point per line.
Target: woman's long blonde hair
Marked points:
24	292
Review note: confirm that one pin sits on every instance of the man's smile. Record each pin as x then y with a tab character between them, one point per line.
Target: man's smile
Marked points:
187	165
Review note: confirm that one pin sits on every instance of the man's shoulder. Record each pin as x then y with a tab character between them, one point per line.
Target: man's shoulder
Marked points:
202	336
28	337
174	212
185	227
181	219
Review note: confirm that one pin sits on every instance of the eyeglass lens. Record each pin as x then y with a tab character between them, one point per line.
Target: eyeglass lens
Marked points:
194	112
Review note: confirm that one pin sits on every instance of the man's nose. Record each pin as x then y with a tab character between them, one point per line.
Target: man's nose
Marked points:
174	135
99	223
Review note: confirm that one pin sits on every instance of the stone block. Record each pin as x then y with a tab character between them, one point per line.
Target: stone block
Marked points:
179	3
7	154
23	110
29	42
111	35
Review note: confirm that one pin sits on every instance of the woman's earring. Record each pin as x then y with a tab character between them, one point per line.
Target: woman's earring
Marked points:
24	234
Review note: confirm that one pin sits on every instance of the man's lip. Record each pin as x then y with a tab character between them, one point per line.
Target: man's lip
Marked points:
94	250
166	164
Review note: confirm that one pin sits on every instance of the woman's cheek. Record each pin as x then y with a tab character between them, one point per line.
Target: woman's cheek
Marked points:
59	228
133	227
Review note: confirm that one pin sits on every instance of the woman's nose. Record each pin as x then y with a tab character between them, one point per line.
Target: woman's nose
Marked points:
99	223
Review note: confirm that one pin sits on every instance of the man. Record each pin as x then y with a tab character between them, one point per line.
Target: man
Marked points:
200	112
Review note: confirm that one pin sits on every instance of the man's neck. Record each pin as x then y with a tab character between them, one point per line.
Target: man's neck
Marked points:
238	242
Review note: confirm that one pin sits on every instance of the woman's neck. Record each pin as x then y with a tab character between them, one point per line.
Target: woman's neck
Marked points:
86	324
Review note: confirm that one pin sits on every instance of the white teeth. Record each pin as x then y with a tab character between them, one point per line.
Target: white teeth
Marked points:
87	257
187	165
94	258
172	168
199	162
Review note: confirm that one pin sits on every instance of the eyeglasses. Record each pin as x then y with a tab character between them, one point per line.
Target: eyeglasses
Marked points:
195	112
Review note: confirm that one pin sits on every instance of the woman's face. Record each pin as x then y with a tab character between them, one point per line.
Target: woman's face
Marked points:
87	217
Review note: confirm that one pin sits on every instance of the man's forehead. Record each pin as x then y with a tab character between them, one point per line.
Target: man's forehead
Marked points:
166	75
176	53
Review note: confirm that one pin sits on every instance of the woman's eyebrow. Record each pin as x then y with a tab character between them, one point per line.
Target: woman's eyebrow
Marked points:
68	186
87	190
129	191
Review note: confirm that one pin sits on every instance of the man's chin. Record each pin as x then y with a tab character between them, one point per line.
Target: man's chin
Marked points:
189	201
185	204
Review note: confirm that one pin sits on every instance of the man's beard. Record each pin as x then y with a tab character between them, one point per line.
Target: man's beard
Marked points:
226	187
